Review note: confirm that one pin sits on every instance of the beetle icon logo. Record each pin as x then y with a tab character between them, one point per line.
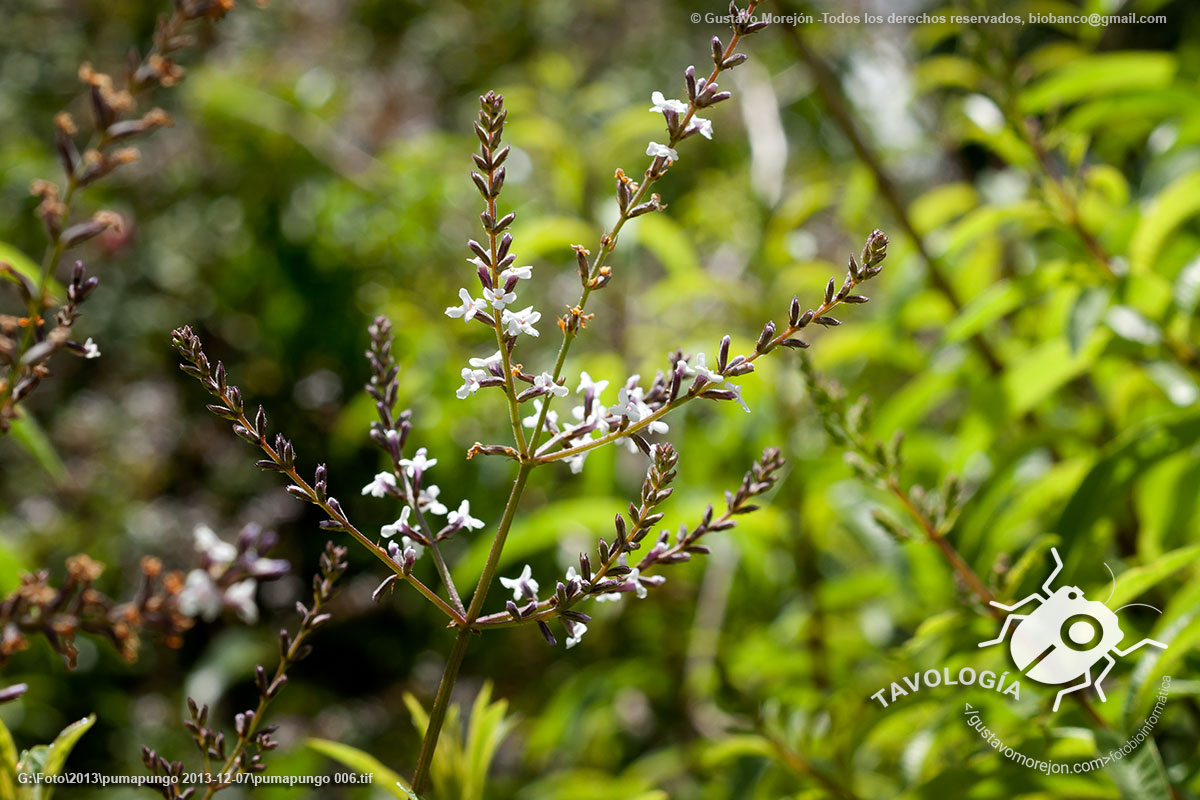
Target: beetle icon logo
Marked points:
1065	636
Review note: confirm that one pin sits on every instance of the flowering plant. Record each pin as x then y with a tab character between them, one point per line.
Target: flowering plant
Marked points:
540	435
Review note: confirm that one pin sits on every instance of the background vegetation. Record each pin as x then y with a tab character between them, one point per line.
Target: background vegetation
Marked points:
1034	333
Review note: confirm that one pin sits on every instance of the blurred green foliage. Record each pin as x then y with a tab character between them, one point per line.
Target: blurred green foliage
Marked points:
317	175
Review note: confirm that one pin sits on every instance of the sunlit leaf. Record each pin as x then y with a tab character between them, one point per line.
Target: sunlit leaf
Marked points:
1096	75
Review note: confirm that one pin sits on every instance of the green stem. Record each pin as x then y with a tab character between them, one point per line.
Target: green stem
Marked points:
437	715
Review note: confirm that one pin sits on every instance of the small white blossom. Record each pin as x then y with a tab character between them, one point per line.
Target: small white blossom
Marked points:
704	126
379	487
240	597
407	544
607	597
700	367
470	385
656	149
91	349
546	381
523	586
634	578
499	298
656	426
428	501
200	596
487	363
575	462
531	420
737	391
469	308
628	405
662	104
586	382
525	273
220	553
268	567
388	531
575	632
521	321
463	515
419	461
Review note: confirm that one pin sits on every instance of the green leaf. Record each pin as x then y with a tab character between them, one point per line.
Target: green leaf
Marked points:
1085	315
1176	383
20	262
1173	206
984	309
8	764
50	759
489	726
1098	75
353	758
1124	461
1187	287
1139	775
1132	583
26	432
1048	367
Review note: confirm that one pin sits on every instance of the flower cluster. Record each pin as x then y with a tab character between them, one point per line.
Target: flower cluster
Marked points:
612	577
27	342
229	573
406	480
631	414
60	613
245	755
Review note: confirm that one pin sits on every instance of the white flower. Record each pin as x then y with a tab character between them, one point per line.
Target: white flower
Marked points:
240	597
575	632
704	126
220	553
628	405
598	418
469	308
737	391
380	485
487	363
523	586
417	462
576	462
463	515
662	104
522	321
656	149
428	501
268	567
470	382
200	596
388	531
499	298
607	597
634	576
655	426
91	349
546	381
531	420
521	272
407	544
699	367
586	382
